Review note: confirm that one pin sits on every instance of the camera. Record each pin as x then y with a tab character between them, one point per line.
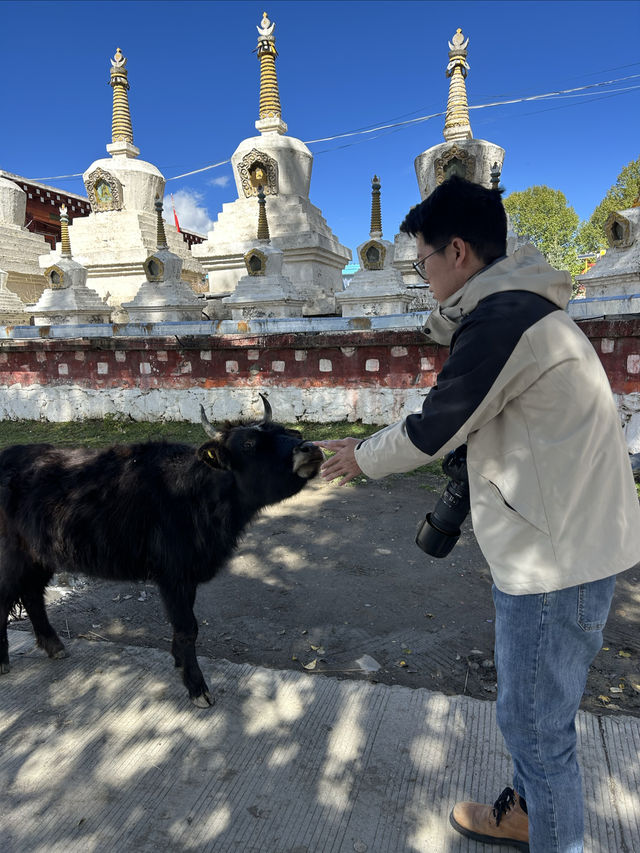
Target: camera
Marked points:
440	530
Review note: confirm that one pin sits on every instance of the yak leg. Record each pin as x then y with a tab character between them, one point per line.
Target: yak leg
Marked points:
5	606
179	605
8	599
46	637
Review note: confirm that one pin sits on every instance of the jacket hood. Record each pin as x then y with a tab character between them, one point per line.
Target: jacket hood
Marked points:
525	269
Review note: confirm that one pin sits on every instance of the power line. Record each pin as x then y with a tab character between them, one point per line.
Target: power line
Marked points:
560	93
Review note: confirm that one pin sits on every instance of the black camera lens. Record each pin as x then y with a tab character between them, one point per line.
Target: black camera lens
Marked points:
441	529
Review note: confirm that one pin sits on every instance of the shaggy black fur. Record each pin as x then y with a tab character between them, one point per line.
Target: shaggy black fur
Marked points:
169	513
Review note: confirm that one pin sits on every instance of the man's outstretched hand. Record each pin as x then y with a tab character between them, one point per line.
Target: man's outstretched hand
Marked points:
343	462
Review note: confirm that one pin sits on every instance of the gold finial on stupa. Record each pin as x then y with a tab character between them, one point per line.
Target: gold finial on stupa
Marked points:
270	110
65	250
121	130
456	125
161	237
376	212
258	177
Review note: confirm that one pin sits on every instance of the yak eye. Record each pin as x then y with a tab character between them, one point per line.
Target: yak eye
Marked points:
249	444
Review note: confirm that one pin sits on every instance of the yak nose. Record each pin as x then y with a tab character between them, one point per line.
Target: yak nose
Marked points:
307	459
310	448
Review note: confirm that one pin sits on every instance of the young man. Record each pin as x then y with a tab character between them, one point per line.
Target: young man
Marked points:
553	502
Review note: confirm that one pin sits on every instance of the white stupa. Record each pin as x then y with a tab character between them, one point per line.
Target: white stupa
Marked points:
265	291
377	288
114	241
460	154
313	256
612	285
68	300
163	297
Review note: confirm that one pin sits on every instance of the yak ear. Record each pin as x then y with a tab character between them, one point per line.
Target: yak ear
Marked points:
213	454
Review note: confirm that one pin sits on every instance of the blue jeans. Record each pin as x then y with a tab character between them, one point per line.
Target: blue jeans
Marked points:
544	646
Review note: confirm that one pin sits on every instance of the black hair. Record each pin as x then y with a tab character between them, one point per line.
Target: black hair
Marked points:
460	208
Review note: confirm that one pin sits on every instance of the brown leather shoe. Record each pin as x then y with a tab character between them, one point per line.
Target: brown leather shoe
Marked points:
503	823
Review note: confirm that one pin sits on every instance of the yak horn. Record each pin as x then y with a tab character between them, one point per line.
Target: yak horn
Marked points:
268	414
210	430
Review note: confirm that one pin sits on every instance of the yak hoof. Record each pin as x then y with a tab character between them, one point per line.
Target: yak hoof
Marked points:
61	653
4	668
204	700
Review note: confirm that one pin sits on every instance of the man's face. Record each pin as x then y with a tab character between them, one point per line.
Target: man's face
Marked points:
442	269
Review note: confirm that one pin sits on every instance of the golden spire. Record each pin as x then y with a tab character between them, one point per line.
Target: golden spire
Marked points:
257	178
376	213
121	130
65	251
161	238
456	125
270	110
263	225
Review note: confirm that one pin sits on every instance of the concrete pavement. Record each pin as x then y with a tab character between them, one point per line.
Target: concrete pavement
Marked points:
102	751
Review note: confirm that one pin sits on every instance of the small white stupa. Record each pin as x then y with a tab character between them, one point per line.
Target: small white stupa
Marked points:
612	285
377	288
116	238
313	256
163	297
68	300
264	291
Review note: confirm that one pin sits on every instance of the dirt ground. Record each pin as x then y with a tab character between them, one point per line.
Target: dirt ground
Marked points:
332	581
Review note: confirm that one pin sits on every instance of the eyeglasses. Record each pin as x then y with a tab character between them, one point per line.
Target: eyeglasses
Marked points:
419	264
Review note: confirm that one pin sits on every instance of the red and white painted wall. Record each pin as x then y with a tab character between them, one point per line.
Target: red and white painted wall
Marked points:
376	376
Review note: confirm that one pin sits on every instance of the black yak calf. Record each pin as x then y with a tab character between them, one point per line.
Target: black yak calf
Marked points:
169	513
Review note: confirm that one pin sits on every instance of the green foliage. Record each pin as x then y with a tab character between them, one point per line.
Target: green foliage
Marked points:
543	215
621	196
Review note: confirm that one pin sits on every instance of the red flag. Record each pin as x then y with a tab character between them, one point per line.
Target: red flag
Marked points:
175	215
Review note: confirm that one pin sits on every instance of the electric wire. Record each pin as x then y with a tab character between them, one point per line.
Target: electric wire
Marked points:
577	91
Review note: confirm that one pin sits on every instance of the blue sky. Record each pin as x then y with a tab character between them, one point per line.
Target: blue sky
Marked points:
342	66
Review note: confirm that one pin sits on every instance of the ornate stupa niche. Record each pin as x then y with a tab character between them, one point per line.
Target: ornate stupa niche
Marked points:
20	249
67	300
264	291
377	288
612	284
460	154
313	256
163	297
115	239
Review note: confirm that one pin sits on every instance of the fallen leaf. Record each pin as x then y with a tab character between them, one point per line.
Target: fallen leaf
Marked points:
604	699
311	665
622	654
318	649
616	690
402	663
429	615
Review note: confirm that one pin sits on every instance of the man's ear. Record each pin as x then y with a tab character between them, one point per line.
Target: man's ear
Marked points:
460	250
213	454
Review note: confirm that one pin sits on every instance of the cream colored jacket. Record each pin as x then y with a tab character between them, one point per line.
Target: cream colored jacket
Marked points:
553	502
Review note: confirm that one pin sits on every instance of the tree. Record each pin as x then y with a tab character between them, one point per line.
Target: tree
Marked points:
591	236
543	216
